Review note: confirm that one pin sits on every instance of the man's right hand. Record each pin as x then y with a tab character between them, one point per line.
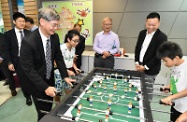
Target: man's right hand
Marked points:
11	67
50	91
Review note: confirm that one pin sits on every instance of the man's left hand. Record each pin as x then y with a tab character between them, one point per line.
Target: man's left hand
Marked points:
69	80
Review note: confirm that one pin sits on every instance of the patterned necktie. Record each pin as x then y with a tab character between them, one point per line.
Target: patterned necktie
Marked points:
21	33
48	59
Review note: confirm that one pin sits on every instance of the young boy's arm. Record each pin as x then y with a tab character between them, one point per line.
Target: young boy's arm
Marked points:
168	100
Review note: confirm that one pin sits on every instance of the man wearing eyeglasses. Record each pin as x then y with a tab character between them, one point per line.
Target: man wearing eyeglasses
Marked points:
106	43
38	52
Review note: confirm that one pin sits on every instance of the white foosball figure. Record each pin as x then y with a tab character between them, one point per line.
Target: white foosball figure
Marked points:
129	107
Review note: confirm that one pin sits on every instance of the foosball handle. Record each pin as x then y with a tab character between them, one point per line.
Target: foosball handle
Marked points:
80	71
160	102
161	89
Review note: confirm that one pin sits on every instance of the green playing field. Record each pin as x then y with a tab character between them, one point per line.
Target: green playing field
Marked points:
103	92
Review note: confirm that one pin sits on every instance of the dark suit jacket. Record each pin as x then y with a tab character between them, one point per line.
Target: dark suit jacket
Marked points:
2	46
81	46
11	46
150	58
33	62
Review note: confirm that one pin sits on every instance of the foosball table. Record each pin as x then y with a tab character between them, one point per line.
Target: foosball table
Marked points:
105	95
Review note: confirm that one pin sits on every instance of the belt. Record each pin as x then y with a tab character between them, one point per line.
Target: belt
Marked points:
97	54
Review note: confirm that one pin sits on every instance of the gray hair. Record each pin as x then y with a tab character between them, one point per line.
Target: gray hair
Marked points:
106	18
48	14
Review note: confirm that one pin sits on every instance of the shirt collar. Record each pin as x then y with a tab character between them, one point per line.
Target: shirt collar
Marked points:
18	30
108	32
44	38
151	34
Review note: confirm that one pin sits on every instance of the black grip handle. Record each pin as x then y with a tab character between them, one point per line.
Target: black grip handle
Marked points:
161	89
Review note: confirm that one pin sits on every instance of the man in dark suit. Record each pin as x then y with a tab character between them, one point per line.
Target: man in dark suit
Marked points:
80	47
146	47
12	39
1	56
38	52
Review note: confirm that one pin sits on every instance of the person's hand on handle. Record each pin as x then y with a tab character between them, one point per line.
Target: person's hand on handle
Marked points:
167	101
69	81
50	91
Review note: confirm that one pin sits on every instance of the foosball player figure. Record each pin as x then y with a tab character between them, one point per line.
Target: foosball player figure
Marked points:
130	86
94	86
104	88
116	75
115	89
129	107
115	83
137	92
107	114
125	80
91	101
100	83
125	90
109	103
79	109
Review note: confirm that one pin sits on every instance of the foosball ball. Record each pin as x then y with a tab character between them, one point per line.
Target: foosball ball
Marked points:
105	95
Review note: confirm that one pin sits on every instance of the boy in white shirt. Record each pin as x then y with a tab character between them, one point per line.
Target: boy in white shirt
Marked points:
171	54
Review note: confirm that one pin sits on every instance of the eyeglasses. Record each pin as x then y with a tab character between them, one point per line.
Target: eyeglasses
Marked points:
54	25
107	24
76	41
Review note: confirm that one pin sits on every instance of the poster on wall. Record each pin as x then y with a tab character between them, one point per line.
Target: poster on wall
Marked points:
20	6
72	12
1	21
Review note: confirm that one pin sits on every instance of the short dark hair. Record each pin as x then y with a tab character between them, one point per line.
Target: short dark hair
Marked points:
71	34
17	15
170	50
29	19
75	25
153	15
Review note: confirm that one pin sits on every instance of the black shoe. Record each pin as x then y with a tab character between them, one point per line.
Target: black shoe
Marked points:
28	101
13	92
6	83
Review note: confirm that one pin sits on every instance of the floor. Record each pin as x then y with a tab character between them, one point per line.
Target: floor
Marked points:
16	110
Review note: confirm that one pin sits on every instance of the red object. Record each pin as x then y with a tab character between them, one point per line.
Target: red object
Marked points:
16	79
117	55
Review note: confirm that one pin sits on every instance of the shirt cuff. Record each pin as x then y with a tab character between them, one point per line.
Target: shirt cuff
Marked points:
147	68
137	62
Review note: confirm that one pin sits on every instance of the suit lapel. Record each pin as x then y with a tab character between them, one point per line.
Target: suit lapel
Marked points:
40	44
52	47
154	38
14	37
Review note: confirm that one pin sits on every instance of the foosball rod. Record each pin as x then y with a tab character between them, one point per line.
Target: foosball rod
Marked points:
155	83
126	105
134	98
123	115
109	88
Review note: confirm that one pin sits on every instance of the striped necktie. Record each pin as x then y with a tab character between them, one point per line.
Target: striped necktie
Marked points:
48	59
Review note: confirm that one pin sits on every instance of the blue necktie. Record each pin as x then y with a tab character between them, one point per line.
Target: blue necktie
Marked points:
48	59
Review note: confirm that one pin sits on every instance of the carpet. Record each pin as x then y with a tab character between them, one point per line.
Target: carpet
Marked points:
5	93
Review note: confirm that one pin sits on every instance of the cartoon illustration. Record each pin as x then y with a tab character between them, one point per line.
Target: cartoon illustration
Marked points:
86	33
83	13
80	22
